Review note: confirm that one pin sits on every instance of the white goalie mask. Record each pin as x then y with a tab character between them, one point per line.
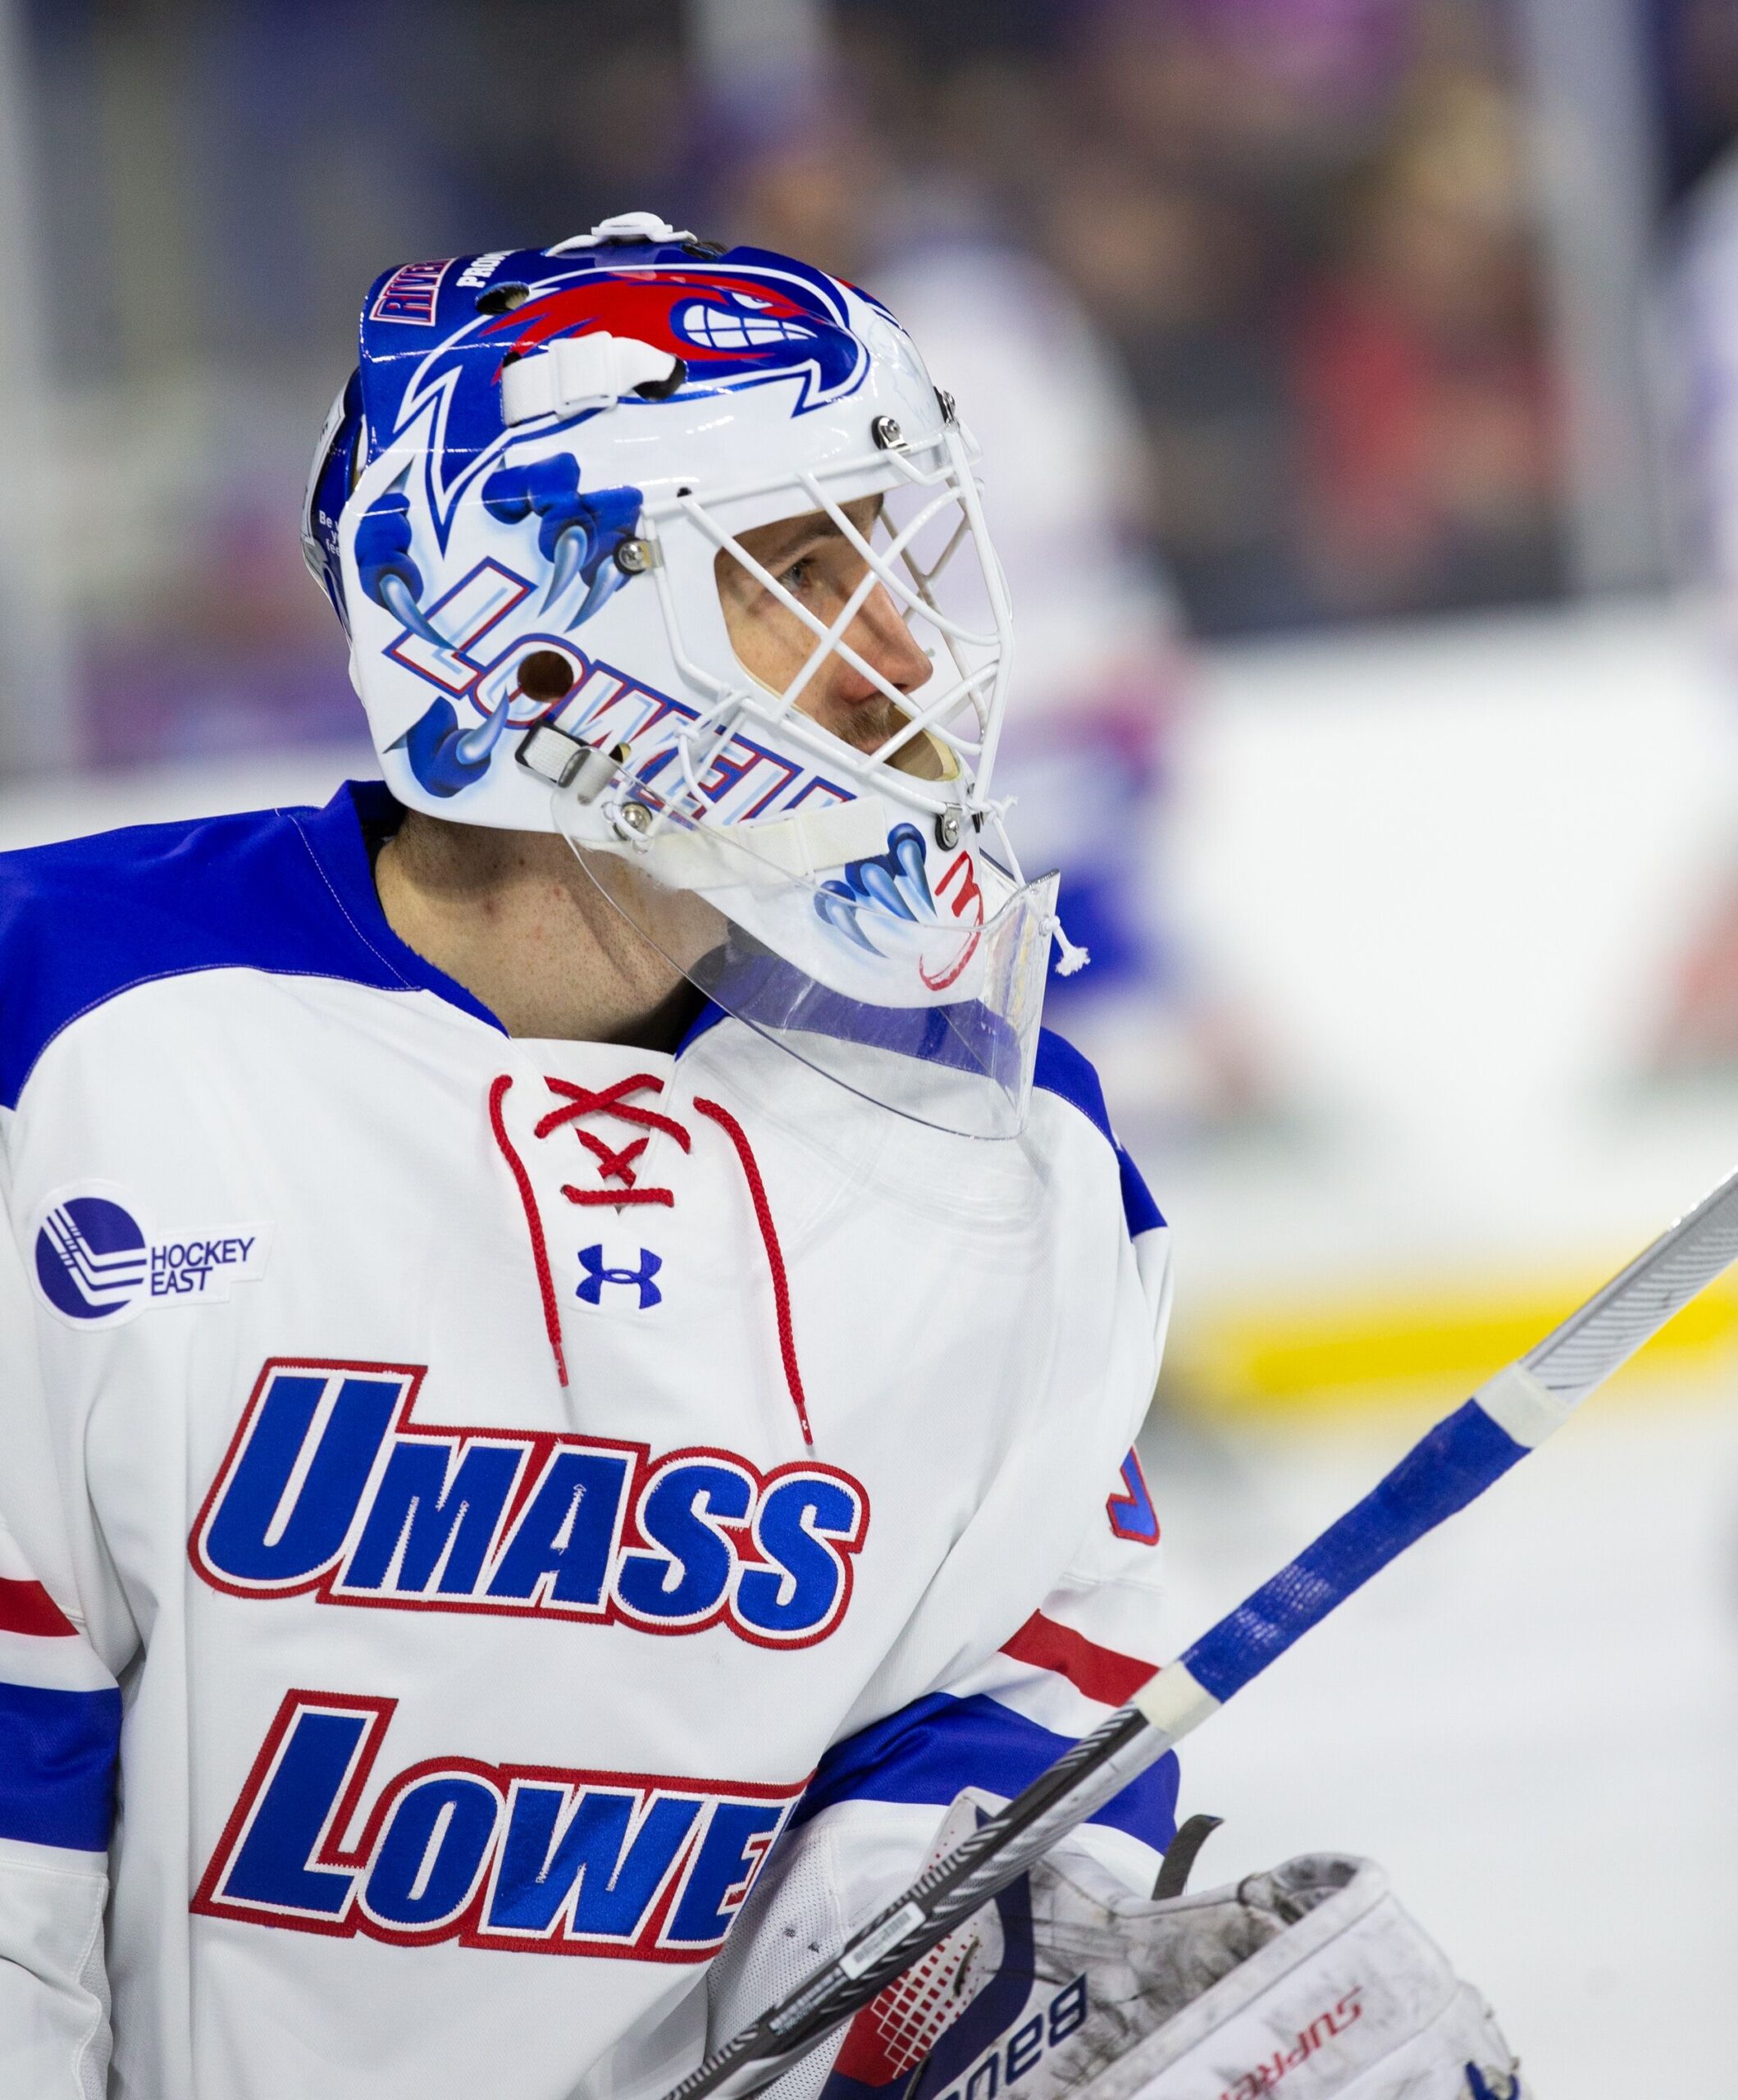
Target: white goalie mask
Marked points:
521	506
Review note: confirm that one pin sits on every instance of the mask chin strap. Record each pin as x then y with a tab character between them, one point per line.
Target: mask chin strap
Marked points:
789	848
822	835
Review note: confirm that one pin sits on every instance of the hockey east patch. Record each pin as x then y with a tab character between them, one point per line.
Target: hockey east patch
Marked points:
329	1488
97	1264
526	1858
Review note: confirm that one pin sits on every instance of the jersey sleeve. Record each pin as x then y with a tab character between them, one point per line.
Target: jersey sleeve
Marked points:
60	1732
1085	1652
870	1817
877	1795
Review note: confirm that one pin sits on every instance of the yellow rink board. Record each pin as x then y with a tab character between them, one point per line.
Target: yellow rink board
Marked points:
1333	1352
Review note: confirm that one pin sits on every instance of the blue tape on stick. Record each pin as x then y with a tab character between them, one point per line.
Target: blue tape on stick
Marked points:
1442	1473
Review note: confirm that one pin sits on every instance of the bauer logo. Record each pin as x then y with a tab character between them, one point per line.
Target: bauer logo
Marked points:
963	2026
98	1265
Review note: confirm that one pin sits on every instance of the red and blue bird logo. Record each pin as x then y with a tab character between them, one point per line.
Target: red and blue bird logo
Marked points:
765	318
723	325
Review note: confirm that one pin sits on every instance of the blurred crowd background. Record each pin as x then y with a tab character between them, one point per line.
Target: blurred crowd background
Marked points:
1309	239
1275	318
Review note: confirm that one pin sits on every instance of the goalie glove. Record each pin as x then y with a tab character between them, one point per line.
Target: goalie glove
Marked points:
1309	1982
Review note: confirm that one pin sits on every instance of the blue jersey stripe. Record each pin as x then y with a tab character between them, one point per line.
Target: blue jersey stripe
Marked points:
930	1750
57	1753
1061	1069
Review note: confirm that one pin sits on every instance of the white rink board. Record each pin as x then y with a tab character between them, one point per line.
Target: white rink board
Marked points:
1448	873
65	805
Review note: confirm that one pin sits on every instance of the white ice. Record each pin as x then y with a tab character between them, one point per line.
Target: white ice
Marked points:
1530	1720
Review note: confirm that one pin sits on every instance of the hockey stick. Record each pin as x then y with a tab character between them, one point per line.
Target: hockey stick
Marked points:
1447	1469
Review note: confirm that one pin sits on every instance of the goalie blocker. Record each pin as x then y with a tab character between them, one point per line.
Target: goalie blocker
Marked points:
1310	1982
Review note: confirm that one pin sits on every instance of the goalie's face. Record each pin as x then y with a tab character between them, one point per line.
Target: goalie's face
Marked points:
813	560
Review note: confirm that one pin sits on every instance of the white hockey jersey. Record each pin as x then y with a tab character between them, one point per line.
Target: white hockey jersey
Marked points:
462	1497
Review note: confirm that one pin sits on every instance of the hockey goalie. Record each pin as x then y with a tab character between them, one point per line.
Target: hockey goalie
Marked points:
569	1342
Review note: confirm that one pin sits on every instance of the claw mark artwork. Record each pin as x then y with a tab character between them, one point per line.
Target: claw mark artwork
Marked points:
577	534
896	885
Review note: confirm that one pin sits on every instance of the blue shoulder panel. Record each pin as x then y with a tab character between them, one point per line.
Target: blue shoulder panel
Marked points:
287	892
931	1750
1061	1070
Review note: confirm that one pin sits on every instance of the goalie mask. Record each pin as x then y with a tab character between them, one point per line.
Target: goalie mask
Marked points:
529	508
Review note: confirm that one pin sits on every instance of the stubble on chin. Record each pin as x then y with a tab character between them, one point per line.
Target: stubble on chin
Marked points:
864	724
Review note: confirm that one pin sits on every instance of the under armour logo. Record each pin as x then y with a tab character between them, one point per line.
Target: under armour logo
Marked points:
596	1276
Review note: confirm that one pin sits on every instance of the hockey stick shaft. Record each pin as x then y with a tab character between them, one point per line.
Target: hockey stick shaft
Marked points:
1465	1453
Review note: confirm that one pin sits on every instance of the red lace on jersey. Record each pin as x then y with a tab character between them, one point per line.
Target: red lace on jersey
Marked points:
618	1165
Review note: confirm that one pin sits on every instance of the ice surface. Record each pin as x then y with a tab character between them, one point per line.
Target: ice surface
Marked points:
1531	1720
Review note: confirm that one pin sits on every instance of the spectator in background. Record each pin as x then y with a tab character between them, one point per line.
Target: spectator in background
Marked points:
1696	343
1300	226
1171	270
1428	473
1159	199
1284	237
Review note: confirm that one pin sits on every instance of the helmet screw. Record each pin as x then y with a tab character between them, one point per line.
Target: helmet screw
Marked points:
945	402
887	433
634	557
947	830
637	817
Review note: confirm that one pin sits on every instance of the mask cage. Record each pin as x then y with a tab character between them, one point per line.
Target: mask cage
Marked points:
957	609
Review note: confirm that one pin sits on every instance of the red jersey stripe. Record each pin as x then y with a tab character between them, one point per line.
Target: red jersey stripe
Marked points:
1101	1673
27	1608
